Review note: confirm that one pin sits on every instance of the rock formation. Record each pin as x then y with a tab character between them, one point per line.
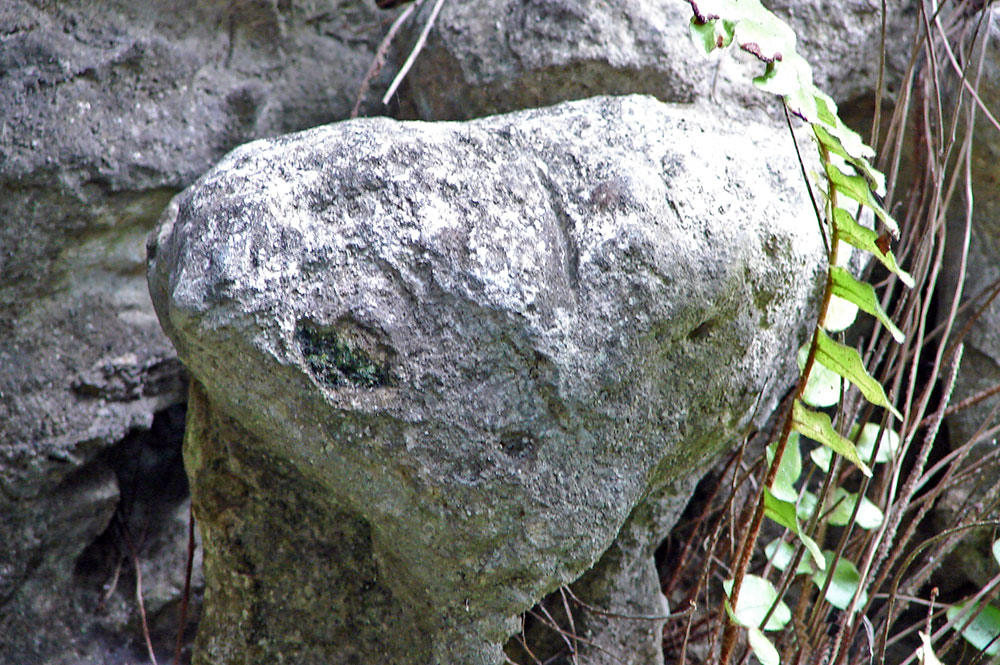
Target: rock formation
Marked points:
441	365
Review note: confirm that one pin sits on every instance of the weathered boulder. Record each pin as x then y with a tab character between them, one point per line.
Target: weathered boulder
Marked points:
108	109
491	57
439	366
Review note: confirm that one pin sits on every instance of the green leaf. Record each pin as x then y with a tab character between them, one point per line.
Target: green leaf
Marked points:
846	579
821	457
981	631
789	469
866	443
707	10
842	504
785	77
762	647
824	385
840	314
850	231
807	503
855	155
714	34
826	109
802	102
817	427
703	35
869	516
756	597
856	187
849	143
784	513
846	361
729	608
925	652
780	554
813	549
845	254
862	295
840	508
837	136
887	451
764	35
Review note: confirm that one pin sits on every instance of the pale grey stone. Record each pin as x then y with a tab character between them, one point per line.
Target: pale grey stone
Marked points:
478	349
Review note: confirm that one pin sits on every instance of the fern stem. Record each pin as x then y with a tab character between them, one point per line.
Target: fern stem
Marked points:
749	541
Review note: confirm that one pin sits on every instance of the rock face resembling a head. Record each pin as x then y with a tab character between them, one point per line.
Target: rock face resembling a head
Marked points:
439	366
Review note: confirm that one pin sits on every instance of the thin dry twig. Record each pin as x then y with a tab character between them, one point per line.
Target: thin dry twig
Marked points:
110	586
630	617
567	636
708	507
524	643
378	62
972	90
133	552
182	618
413	54
569	617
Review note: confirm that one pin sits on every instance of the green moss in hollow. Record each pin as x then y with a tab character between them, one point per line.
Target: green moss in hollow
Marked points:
334	363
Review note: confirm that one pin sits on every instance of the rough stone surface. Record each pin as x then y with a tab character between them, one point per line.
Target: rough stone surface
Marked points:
107	109
470	352
624	584
492	57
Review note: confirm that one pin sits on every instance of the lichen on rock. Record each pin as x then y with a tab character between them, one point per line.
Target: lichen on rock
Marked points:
334	362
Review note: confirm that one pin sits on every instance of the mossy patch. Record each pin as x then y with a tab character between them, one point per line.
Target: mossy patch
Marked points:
335	363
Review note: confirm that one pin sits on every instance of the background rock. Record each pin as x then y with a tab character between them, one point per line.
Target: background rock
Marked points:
107	109
842	42
493	57
485	344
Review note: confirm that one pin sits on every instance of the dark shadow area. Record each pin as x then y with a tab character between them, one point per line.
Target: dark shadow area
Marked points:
150	525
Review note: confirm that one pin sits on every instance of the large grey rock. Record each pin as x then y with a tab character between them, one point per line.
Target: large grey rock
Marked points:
491	57
439	366
107	109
